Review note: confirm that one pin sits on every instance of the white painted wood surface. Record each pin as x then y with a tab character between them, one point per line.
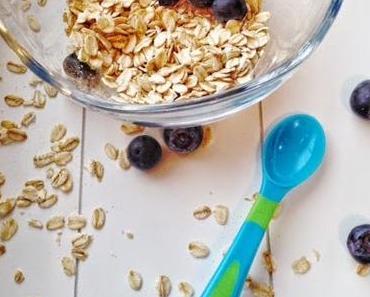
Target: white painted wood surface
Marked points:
36	253
321	214
157	207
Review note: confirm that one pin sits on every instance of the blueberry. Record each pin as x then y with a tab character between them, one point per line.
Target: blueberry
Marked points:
202	3
183	140
358	243
144	152
360	99
168	2
80	70
226	10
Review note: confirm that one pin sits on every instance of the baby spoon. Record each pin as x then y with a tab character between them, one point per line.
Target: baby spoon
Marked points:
292	152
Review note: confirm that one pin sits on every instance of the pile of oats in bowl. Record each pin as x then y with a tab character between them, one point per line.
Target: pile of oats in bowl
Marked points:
150	53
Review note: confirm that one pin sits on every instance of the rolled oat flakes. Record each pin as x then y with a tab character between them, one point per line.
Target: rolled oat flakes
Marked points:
147	52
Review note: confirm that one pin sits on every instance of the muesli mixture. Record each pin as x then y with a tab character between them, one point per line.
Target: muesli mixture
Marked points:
159	51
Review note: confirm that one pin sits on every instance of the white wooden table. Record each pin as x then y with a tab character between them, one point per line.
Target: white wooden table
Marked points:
157	207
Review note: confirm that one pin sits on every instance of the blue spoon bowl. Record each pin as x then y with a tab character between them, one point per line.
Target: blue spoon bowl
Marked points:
292	153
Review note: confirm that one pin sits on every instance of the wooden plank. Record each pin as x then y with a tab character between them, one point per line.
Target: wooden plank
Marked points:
157	207
320	214
34	251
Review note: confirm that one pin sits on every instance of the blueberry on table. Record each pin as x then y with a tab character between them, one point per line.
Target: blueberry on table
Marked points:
360	99
358	243
226	10
76	69
168	2
183	140
144	152
202	3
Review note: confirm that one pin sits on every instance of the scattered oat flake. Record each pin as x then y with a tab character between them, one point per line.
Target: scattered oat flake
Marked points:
83	241
259	289
33	23
221	214
135	280
38	100
28	119
31	193
98	218
43	160
269	262
202	212
97	170
17	135
185	289
36	224
301	266
16	68
51	91
68	145
6	207
163	286
62	158
8	124
48	201
198	249
111	151
60	178
69	266
132	129
13	100
55	223
363	270
19	277
80	254
58	132
76	222
23	202
123	160
8	229
68	185
38	184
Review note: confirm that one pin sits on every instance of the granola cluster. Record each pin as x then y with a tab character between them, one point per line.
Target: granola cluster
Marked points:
152	54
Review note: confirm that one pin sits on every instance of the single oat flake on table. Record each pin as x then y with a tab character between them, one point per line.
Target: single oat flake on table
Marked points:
135	280
152	54
301	266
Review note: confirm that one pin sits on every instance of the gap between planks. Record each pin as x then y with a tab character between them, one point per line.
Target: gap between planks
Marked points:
81	177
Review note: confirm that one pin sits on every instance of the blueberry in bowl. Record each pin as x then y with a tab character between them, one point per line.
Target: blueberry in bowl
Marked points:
226	10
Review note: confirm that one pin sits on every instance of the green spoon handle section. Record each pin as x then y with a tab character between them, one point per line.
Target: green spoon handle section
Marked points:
229	279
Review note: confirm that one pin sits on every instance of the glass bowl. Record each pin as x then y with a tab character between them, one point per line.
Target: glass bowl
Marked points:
297	27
